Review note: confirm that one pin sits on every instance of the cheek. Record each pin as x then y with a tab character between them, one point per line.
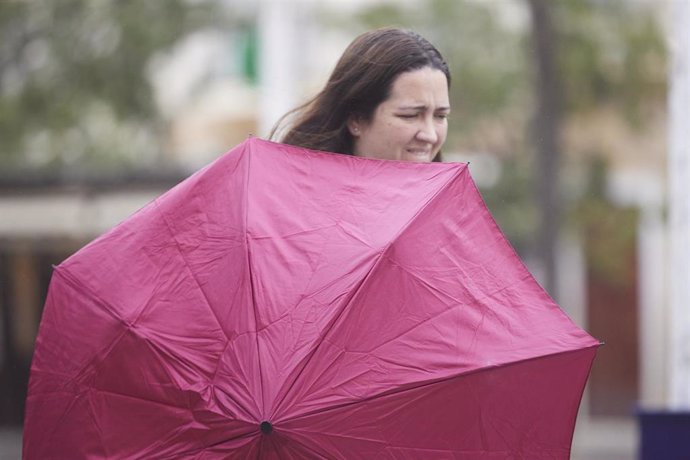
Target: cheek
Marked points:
400	132
442	133
391	133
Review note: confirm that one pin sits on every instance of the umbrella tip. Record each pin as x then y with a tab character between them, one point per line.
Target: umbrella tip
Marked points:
266	427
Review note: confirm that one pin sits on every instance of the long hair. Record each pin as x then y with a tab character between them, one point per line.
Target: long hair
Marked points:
361	80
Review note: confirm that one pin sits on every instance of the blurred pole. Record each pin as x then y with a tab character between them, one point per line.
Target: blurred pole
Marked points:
546	137
279	60
679	207
652	272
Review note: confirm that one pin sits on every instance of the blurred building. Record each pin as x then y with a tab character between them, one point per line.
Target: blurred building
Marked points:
44	220
217	88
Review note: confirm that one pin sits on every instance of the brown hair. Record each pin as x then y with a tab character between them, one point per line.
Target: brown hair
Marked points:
361	80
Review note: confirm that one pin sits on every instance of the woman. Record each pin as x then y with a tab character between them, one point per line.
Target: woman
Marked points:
386	98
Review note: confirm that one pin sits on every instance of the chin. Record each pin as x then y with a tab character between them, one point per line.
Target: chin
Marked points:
422	158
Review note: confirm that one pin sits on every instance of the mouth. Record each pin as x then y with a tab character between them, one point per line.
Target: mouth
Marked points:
418	154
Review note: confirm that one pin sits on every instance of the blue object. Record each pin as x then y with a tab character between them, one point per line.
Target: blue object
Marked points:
664	435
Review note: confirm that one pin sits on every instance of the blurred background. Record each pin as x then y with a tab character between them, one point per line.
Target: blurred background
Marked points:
560	106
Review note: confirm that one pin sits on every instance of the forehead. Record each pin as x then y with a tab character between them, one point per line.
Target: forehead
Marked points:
425	85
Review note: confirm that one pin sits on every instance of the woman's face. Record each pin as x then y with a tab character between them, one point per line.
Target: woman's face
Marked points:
411	124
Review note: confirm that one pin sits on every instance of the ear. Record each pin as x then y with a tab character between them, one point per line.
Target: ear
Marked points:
354	125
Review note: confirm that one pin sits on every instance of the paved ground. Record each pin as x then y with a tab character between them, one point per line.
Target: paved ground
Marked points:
605	439
10	444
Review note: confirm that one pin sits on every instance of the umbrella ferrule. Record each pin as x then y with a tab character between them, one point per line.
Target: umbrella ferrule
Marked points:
266	427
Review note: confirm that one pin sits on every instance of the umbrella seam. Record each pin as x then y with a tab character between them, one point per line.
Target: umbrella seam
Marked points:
309	448
147	400
201	449
186	409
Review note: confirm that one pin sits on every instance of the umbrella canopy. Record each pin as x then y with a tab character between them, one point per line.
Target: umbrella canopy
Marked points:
286	303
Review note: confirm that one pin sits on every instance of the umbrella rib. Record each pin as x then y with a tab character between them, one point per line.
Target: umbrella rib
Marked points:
198	450
490	295
358	289
99	429
321	339
335	435
433	382
74	282
250	431
95	360
189	269
383	445
435	291
149	401
309	448
85	290
50	433
251	277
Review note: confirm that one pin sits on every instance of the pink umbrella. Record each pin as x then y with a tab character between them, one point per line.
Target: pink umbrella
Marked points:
285	303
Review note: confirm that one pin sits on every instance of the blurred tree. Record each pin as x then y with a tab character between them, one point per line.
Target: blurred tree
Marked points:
73	78
547	138
604	56
612	53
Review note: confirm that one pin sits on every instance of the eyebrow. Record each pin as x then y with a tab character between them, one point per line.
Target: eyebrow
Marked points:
421	107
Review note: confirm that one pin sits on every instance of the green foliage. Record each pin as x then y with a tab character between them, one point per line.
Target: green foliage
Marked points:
249	56
610	231
73	77
611	53
512	203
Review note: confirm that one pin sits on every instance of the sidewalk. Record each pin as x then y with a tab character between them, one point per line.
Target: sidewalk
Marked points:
605	439
10	444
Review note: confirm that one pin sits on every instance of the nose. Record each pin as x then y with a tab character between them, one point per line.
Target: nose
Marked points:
427	132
